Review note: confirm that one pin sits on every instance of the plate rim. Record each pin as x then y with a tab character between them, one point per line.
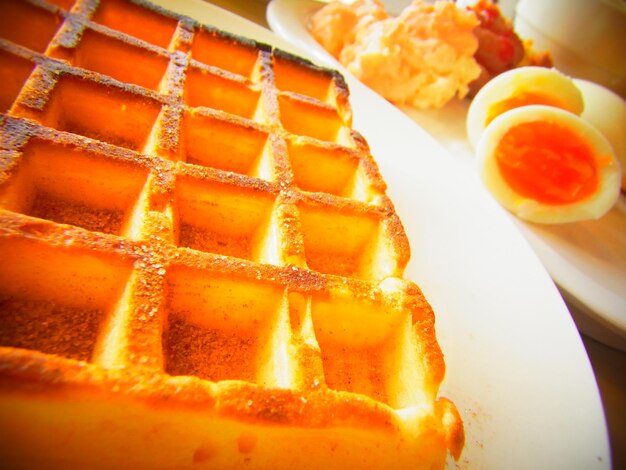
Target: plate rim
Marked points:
556	308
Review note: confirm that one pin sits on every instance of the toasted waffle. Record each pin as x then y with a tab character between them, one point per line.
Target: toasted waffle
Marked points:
200	264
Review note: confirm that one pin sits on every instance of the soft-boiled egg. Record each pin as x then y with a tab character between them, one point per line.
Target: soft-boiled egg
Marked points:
521	87
547	165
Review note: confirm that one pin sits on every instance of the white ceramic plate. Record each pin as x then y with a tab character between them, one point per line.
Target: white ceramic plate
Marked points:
587	260
516	366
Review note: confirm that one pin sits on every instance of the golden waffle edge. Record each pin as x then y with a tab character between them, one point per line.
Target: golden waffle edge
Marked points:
200	264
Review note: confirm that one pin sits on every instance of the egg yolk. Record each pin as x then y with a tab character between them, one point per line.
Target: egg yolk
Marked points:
518	100
547	162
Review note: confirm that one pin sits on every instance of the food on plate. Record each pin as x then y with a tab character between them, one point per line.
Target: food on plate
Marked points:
548	165
537	155
429	54
423	57
521	87
606	110
200	264
337	24
499	46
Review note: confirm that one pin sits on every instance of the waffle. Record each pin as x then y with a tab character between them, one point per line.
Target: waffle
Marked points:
201	266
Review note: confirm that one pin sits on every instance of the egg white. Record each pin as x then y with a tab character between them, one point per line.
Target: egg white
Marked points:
606	110
593	207
537	80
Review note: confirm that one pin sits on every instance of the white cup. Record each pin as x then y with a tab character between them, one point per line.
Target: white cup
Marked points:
586	38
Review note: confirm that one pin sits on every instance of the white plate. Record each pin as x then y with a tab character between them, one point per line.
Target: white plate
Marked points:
516	366
587	260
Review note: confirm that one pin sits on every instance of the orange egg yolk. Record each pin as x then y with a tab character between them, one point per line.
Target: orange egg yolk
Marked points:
521	99
547	162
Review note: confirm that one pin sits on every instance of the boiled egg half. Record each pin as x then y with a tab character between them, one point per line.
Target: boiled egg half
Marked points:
518	87
606	110
548	165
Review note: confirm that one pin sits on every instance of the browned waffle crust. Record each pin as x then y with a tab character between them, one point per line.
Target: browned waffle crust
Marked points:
200	265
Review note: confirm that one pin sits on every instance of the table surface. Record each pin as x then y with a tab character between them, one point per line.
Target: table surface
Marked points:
609	364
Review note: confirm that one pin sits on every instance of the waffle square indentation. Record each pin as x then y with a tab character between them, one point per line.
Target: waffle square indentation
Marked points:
120	60
223	144
337	242
223	219
292	76
303	118
218	328
134	20
69	186
360	345
102	112
14	71
56	300
27	25
203	88
323	169
211	48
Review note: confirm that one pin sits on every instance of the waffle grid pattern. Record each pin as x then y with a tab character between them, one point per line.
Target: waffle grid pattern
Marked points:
203	225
